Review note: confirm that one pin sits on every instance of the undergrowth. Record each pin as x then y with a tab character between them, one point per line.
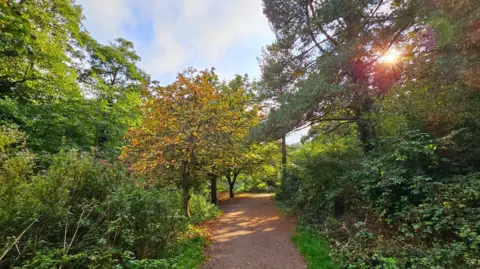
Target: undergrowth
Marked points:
402	206
81	212
314	248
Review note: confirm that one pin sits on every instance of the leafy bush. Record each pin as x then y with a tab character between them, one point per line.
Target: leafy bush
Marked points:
399	207
146	222
315	184
81	212
202	209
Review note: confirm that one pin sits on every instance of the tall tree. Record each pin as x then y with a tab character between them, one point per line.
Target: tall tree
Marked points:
116	82
327	60
233	157
45	87
439	89
39	44
270	97
242	112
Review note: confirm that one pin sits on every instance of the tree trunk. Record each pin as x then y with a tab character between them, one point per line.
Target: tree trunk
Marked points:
365	125
213	189
231	185
284	157
186	202
185	188
367	135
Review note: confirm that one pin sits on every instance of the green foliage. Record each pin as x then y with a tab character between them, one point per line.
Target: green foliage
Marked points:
254	168
314	248
411	199
318	167
202	209
80	212
187	255
391	209
45	89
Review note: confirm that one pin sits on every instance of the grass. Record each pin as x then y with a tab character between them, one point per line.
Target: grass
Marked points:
191	253
314	249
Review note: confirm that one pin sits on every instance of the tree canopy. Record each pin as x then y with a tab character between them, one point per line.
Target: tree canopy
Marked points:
327	60
187	126
103	167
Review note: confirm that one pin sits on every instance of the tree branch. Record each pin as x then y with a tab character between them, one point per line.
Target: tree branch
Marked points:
314	39
373	13
337	126
310	4
312	122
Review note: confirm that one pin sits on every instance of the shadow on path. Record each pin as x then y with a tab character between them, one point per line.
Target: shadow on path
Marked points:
252	234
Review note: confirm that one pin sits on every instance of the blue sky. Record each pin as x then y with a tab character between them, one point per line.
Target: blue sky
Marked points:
171	35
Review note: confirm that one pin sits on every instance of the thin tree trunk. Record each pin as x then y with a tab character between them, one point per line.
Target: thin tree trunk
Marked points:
186	202
235	175
185	188
284	157
213	189
365	125
231	185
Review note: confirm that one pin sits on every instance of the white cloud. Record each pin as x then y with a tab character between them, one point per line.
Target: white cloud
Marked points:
184	33
192	8
106	18
164	54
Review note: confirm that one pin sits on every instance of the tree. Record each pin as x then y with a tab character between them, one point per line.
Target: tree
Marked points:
59	85
38	81
116	82
241	159
234	157
242	114
185	128
248	158
327	61
439	89
271	96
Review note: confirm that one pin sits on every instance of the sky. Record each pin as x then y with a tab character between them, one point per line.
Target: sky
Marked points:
171	35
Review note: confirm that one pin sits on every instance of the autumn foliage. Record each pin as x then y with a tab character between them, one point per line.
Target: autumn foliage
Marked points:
187	127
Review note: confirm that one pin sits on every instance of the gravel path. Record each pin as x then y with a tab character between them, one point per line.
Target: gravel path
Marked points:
252	234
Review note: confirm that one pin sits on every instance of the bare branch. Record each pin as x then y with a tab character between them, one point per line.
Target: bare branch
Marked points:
347	120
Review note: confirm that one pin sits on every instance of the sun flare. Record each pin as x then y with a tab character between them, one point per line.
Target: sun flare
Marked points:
392	56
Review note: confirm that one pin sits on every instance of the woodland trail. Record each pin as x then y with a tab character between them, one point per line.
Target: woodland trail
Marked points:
252	234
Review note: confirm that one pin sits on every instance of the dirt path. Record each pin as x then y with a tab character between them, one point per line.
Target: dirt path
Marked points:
252	234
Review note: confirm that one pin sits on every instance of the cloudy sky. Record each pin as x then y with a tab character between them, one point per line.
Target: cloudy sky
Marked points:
171	35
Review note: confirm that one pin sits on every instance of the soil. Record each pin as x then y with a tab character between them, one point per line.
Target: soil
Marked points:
252	234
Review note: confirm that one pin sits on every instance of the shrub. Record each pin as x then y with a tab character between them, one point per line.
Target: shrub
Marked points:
402	206
202	209
81	212
315	184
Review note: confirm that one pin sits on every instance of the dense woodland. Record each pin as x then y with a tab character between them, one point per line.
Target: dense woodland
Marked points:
389	172
103	167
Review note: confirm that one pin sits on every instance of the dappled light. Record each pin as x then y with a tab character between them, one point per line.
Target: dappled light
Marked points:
249	227
329	134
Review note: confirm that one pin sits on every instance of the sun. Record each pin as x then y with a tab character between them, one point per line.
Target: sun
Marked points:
392	56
